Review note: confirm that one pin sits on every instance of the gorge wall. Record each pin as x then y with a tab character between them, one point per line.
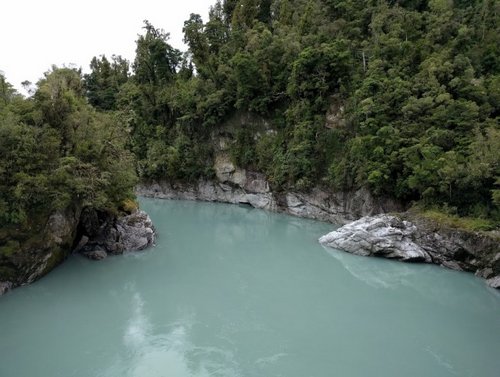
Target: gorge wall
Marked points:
233	184
406	236
253	190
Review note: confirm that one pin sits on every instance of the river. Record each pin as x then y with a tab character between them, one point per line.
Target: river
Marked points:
234	291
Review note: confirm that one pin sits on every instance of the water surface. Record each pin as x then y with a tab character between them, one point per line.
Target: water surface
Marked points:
234	291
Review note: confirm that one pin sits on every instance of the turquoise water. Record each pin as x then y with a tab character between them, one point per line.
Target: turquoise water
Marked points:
234	291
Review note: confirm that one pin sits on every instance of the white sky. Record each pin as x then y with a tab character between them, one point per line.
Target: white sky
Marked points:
34	34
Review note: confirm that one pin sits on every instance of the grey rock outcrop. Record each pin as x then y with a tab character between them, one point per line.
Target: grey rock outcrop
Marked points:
5	286
226	172
494	282
233	184
255	192
381	235
412	238
27	255
339	207
135	231
97	254
104	234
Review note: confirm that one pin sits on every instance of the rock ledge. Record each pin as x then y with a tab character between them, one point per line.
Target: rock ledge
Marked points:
382	235
410	238
110	235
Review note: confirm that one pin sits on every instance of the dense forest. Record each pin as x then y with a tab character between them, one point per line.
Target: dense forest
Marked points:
413	87
57	152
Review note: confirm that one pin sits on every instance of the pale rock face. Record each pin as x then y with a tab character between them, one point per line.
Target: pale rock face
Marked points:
5	286
95	254
242	188
135	231
132	232
239	177
337	207
257	183
419	240
494	282
227	172
59	226
261	201
254	189
381	235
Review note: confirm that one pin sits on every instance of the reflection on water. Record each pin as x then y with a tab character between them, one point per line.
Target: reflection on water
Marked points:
420	279
153	354
391	276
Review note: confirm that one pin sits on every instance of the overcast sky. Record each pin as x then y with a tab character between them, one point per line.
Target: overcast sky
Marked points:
34	34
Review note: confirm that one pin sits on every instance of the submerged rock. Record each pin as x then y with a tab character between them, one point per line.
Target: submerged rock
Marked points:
410	238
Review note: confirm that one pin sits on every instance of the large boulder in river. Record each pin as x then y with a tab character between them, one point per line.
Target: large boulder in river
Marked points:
412	238
382	235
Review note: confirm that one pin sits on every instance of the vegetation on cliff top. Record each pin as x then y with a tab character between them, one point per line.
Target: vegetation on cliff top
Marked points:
56	151
415	85
413	88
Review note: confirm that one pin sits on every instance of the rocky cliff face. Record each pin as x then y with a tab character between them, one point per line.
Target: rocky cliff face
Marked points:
26	258
339	208
411	238
235	185
101	234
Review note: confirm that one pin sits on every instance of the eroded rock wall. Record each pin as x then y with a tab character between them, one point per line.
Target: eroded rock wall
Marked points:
236	185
